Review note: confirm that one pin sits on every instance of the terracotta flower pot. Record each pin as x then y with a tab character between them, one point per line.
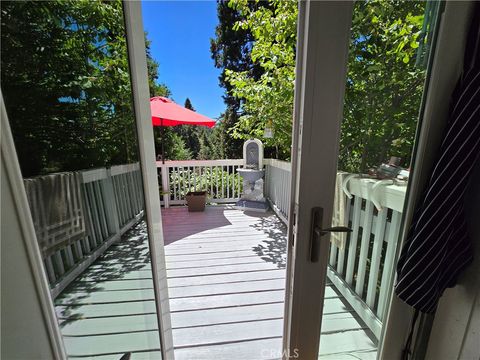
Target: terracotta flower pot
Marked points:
196	200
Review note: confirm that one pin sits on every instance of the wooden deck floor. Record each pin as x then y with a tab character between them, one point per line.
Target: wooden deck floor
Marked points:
226	275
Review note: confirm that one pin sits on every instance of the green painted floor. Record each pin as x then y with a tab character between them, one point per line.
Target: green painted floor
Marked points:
226	276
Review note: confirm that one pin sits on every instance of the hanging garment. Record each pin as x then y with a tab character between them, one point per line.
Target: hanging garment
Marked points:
437	248
339	217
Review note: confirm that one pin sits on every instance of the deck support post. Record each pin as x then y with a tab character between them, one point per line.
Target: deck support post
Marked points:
111	212
165	186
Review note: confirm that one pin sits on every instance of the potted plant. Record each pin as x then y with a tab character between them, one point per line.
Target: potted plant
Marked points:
196	200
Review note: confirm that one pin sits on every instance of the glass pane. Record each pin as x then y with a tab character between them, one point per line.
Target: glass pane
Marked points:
66	84
387	67
226	267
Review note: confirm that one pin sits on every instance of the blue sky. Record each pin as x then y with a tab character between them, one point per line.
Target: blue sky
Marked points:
180	33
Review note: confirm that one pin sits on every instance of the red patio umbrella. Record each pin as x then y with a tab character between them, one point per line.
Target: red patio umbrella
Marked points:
167	113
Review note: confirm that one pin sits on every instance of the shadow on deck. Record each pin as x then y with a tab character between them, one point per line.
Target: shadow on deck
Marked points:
226	275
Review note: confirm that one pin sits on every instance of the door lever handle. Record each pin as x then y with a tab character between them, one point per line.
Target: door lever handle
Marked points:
320	232
317	232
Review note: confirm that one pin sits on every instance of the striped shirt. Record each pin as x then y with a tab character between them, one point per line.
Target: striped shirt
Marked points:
437	247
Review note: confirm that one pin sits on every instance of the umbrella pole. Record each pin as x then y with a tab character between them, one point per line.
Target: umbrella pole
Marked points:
163	141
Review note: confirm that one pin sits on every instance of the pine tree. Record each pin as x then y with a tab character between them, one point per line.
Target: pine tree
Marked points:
75	80
231	49
188	104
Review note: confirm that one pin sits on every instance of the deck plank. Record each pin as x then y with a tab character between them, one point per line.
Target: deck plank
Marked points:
115	343
98	297
243	331
226	277
143	355
136	284
173	263
247	350
345	342
109	309
221	269
231	300
227	288
209	317
110	325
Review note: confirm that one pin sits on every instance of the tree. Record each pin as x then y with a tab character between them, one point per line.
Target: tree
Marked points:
156	89
190	134
66	84
178	149
188	105
218	141
269	98
384	87
231	50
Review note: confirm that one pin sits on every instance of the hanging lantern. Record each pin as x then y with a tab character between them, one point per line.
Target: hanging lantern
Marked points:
268	131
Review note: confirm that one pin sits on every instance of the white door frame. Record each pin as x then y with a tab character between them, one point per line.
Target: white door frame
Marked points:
301	312
141	98
324	34
138	68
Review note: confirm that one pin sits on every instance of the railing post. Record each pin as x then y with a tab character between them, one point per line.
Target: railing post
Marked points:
110	205
266	187
165	186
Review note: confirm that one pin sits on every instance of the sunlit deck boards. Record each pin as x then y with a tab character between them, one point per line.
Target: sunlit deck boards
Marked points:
110	309
226	274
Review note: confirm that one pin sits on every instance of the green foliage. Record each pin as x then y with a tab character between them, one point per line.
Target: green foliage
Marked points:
204	153
65	80
212	180
268	99
155	88
199	142
383	92
179	149
219	145
175	146
189	133
384	88
231	51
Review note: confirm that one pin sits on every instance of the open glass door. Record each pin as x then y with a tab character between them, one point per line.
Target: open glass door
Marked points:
78	108
141	97
361	70
323	37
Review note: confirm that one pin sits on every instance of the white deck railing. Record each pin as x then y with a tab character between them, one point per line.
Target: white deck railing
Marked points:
277	186
361	269
219	178
78	215
100	205
221	181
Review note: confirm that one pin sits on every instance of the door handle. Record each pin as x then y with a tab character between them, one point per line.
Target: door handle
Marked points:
317	232
321	232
